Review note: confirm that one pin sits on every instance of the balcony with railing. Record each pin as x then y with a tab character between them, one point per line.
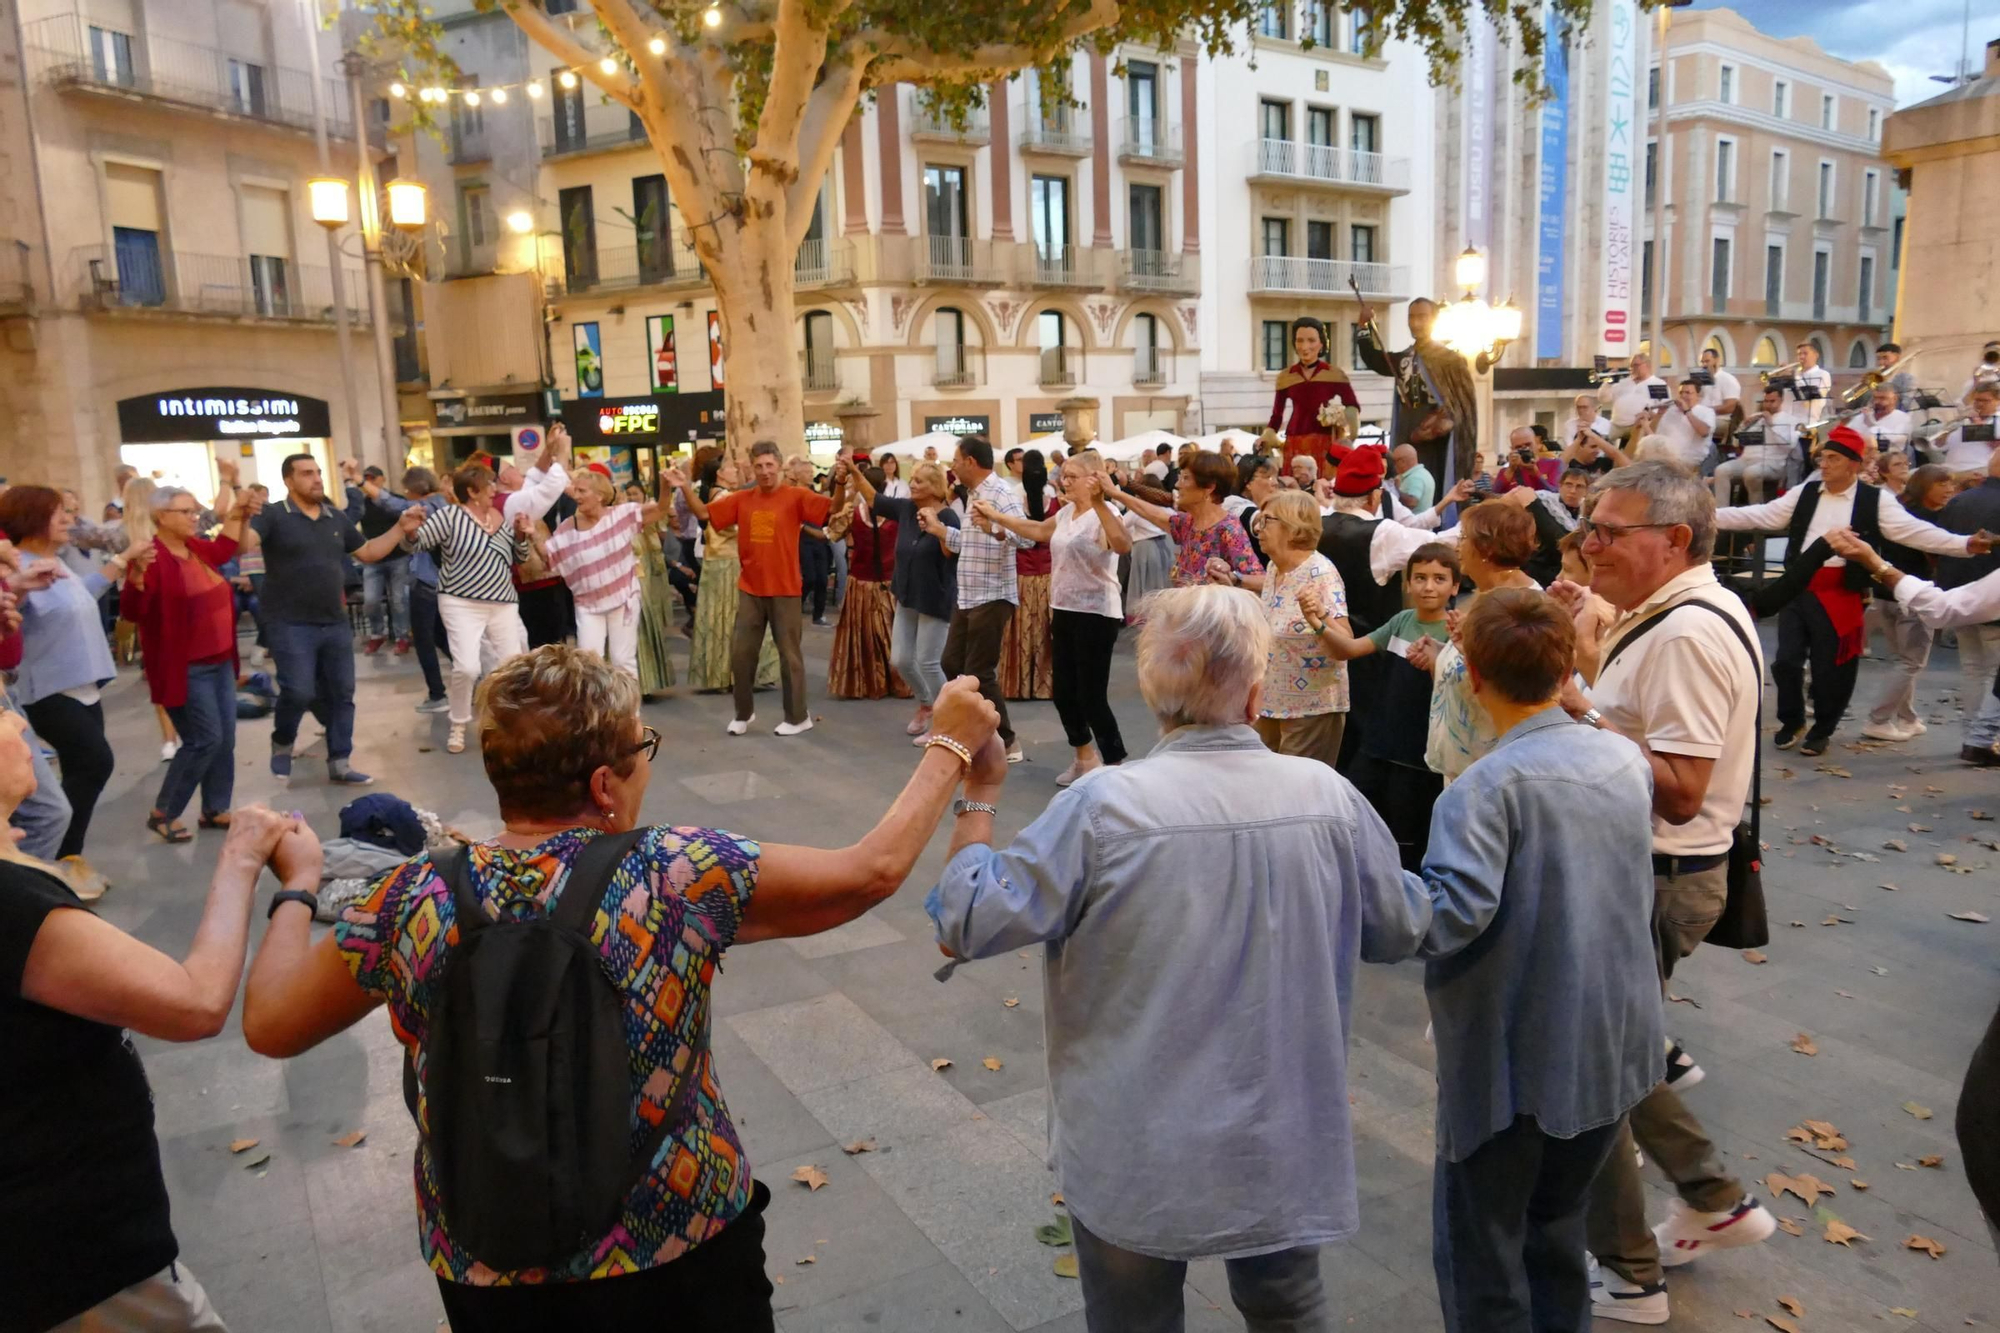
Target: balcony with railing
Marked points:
1150	143
823	264
601	129
1149	365
958	367
1059	266
666	262
224	286
1324	164
935	124
1165	272
958	260
1061	367
1059	135
1287	273
67	51
818	372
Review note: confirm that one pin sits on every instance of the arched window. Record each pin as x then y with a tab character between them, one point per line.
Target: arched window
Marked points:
1060	361
1148	357
1663	360
1715	345
953	365
1857	356
1819	345
1766	353
818	360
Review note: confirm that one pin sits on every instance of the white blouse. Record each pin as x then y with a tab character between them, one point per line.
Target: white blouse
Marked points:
1083	573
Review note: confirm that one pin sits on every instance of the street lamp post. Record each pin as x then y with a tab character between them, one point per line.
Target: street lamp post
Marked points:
337	276
1479	332
406	209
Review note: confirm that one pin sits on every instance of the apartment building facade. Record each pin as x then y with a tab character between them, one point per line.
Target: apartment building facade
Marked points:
167	297
1315	141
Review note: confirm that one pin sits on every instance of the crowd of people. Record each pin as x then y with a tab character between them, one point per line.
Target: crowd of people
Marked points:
1500	713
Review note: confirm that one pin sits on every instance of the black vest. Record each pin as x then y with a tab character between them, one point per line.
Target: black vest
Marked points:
1865	522
1345	539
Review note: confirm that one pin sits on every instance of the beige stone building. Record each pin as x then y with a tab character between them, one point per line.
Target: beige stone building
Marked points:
165	297
1778	198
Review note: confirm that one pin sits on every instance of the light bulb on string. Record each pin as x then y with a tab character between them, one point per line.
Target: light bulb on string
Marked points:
471	98
499	96
567	78
608	65
712	16
658	46
534	90
397	90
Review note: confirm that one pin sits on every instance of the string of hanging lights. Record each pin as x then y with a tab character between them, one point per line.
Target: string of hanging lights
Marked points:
534	89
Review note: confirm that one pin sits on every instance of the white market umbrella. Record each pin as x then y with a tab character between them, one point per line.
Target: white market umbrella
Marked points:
944	442
1130	449
1244	440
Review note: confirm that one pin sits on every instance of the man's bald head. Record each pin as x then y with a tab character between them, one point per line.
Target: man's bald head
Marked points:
1404	456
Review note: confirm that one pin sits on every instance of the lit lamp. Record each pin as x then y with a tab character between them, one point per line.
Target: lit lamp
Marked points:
520	222
1469	326
328	196
406	202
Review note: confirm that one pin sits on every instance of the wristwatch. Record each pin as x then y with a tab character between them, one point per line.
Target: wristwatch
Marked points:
284	896
965	807
1592	718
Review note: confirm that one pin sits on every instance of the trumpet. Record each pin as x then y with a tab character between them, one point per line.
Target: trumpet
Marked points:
1782	377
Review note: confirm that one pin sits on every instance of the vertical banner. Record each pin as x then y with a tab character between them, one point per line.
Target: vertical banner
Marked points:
1624	172
1476	154
589	361
665	373
714	350
1553	195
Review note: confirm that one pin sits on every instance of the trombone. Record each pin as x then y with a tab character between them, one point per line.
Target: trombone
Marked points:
1856	395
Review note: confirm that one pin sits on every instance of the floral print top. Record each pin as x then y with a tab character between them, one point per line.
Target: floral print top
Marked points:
1225	538
1303	679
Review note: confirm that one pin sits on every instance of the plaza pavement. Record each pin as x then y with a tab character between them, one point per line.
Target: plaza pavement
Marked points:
825	1041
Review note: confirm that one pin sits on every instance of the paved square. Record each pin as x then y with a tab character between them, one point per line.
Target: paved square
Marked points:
826	1041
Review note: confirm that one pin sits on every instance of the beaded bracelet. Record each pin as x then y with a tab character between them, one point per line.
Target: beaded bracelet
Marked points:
955	746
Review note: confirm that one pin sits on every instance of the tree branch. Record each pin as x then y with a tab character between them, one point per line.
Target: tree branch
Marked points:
827	113
561	43
632	33
798	56
894	59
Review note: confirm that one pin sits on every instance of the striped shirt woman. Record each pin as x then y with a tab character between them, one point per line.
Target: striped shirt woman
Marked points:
476	550
592	550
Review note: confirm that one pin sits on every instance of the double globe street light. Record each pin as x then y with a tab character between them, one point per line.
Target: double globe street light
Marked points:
1479	332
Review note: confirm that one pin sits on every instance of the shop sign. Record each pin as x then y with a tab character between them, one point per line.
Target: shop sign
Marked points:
961	425
824	432
1045	423
187	415
490	409
618	420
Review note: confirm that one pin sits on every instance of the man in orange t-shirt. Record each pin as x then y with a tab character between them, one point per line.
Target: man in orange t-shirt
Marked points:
767	519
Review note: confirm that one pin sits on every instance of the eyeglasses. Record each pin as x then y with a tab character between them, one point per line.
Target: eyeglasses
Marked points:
649	742
179	509
1607	534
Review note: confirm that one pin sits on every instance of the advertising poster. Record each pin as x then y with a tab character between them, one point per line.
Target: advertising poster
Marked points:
589	361
660	354
1553	196
714	350
1624	173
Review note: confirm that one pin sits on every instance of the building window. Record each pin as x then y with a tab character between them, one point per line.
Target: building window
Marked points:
1325	24
111	57
1364	133
1822	275
1867	302
246	87
1361	40
1319	240
652	227
1274	19
1774	281
1147	363
1726	88
1825	190
1048	217
1646	279
1781	179
1781	98
568	111
1828	111
1652	170
475	207
1361	244
1145	220
818	368
1319	126
1718	276
1874	123
1896	246
1869	181
1765	353
579	234
1274	344
132	195
1354	344
1057	366
1142	101
559	6
1725	169
1276	119
1277	236
267	241
949	327
1857	355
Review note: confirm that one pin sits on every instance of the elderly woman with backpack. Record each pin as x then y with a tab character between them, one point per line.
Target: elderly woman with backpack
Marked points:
596	1180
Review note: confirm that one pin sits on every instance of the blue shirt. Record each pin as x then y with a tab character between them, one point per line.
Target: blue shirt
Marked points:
1535	909
423	565
1203	912
62	638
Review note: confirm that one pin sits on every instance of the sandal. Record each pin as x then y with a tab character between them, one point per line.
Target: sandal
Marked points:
168	830
220	821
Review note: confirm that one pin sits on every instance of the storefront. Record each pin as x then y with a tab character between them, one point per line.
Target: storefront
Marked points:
503	422
631	436
175	437
960	425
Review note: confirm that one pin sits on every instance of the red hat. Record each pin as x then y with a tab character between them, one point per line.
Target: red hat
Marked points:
1848	441
1361	472
600	469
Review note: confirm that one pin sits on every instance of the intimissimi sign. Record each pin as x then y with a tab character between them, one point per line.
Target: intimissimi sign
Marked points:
221	414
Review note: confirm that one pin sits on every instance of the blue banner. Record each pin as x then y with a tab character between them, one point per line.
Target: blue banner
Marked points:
1554	192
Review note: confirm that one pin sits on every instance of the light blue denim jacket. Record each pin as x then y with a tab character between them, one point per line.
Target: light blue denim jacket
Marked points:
423	565
1542	984
1203	911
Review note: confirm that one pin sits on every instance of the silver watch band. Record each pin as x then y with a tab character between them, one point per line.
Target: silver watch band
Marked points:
973	807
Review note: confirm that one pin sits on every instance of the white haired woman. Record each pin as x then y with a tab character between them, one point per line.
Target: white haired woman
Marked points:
569	760
592	550
1118	879
1304	710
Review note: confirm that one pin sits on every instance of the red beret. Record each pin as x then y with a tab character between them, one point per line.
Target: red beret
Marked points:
1361	471
1848	441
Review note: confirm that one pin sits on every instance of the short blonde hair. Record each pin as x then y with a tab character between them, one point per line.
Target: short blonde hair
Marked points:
600	483
548	720
1296	514
931	474
1204	649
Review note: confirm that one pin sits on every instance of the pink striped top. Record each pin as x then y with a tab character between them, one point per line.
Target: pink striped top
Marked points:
598	564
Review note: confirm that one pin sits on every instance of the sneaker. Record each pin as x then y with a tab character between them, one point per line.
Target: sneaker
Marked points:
918	741
1682	1072
168	750
455	742
1978	757
820	621
1915	726
1891	730
792	728
1014	755
402	645
341	775
1076	770
437	705
741	725
1612	1297
1787	737
373	646
1686	1235
920	724
84	881
281	763
1814	744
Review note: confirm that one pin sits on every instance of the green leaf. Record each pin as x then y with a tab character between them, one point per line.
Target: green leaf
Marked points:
1066	1265
1056	1232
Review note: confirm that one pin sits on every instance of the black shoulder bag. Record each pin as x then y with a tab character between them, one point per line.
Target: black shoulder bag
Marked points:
1744	923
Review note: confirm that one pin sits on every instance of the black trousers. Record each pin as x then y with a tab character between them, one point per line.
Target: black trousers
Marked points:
1365	677
720	1284
1806	637
972	648
1978	1124
75	731
1507	1231
1081	668
815	567
548	614
1403	796
427	635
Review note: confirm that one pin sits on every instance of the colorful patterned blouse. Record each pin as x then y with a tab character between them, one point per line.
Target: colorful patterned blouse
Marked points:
1225	538
674	905
1303	679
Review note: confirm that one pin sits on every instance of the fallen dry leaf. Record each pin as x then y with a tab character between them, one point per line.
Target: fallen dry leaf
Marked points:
1803	1044
1979	814
1010	1002
242	1145
1926	1244
1799	1134
1920	828
1903	1310
809	1259
1920	1112
1845	994
1977	918
940	1065
1946	859
778	1278
859	1146
1844	1163
1904	1166
1839	1233
1790	1226
1056	1198
1892	888
1834	769
1879	971
1897	845
1798	925
1780	1323
810	1176
263	1159
351	1140
1807	1188
1792	1306
1065	1265
1934	1161
991	1063
1752	956
1857	1184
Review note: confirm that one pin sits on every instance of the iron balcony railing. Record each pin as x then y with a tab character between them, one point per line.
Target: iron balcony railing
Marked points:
959	260
1156	271
958	367
817	371
561	139
823	263
1047	265
1330	165
137	278
1150	143
1060	134
67	50
665	262
1061	367
1148	366
1286	273
467	144
931	122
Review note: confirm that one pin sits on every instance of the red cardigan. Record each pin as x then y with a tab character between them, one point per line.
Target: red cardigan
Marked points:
159	609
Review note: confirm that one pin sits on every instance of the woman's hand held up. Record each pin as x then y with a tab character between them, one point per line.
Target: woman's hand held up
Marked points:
963	714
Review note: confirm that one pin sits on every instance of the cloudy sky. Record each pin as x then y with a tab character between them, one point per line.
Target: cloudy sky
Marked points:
1913	39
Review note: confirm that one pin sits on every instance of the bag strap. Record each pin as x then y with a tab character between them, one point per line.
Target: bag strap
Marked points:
589	875
453	868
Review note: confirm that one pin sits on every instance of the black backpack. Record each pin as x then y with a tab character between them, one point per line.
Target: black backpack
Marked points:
529	1075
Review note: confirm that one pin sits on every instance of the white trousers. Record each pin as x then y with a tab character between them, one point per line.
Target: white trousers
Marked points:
612	635
469	626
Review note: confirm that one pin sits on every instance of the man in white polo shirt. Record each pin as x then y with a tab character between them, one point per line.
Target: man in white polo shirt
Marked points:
1723	394
1687	427
1970	445
1629	400
1682	681
1812	386
1883	423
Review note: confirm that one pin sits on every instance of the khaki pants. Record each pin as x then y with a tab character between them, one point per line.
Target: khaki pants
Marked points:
782	614
1314	737
1685	908
170	1301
